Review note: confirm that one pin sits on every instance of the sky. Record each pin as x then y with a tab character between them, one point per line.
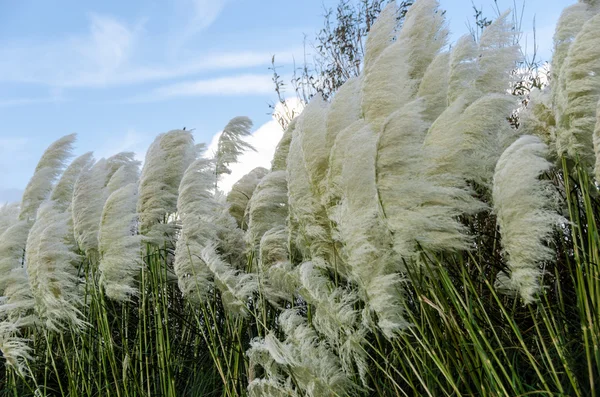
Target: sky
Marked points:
118	73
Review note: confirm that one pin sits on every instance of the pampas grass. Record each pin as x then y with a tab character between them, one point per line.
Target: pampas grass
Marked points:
47	171
166	160
388	252
8	216
12	250
232	144
523	204
89	195
268	206
241	193
62	194
15	349
196	209
52	271
119	244
581	78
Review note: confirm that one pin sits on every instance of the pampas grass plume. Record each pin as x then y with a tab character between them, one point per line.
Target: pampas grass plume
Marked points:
523	204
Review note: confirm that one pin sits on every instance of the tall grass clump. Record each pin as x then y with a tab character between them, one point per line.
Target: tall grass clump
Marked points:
408	240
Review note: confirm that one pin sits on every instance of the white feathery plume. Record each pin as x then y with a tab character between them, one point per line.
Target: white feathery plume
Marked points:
581	77
334	316
486	67
236	287
270	388
469	147
279	162
167	159
18	303
463	67
12	250
568	26
311	129
62	195
196	209
367	243
52	271
241	193
119	245
523	204
538	117
274	375
337	159
126	174
433	89
231	244
16	300
48	169
14	349
279	280
268	206
424	33
438	141
89	196
387	84
9	215
273	246
381	34
210	246
232	144
194	277
309	225
394	77
344	109
117	161
498	56
418	210
316	370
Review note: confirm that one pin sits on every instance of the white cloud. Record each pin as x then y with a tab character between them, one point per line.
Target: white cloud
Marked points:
88	59
205	12
113	52
204	63
245	84
27	101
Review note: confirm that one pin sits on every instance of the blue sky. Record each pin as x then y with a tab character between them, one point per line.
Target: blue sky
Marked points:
120	72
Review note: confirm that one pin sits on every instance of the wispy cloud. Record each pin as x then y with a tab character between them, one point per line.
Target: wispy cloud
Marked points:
115	53
28	101
79	60
245	84
104	61
221	61
201	15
